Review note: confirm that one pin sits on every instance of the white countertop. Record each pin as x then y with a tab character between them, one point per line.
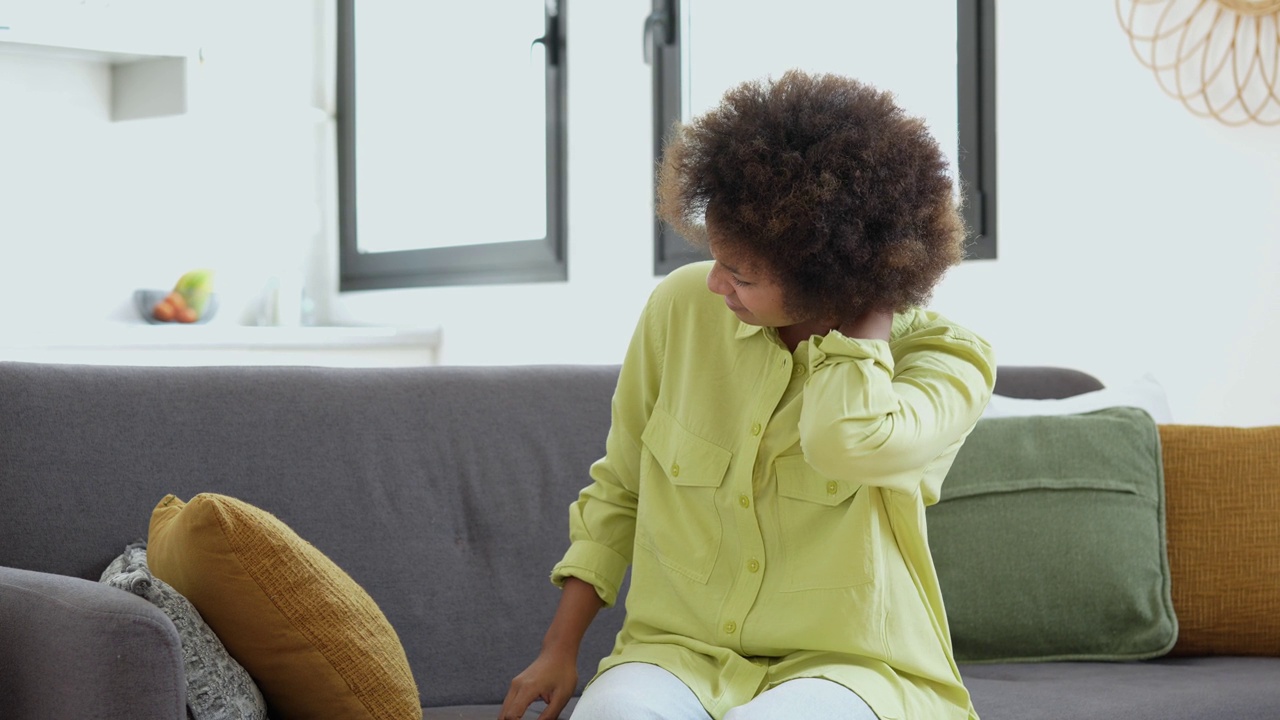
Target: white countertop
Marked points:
214	344
130	335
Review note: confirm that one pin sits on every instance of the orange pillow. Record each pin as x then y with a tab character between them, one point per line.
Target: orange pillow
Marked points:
314	641
1222	488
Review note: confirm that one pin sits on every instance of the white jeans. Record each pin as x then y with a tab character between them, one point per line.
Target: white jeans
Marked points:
640	691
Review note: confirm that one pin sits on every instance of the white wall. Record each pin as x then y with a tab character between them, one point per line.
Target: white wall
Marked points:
588	319
91	209
1134	237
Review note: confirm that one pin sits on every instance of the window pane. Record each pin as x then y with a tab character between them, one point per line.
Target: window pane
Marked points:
452	123
908	48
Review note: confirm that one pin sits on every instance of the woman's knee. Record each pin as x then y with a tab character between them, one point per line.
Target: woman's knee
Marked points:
813	698
638	691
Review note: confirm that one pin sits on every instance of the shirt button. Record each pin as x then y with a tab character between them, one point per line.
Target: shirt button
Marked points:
833	487
730	627
744	501
675	470
753	565
799	370
755	428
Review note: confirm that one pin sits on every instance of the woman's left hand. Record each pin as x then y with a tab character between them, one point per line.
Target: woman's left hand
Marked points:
870	325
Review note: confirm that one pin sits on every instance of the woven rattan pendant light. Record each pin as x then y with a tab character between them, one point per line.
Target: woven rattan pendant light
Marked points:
1221	58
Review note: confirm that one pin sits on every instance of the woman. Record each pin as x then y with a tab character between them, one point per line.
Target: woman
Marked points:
783	417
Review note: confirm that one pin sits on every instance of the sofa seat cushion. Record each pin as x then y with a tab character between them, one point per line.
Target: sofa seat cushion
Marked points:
488	712
1240	688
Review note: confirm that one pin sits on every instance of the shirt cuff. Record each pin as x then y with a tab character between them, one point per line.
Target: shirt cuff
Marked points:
835	347
592	563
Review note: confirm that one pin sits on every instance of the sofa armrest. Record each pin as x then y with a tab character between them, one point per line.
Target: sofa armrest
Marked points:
72	648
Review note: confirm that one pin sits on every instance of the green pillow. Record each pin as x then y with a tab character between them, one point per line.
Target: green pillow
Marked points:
1049	540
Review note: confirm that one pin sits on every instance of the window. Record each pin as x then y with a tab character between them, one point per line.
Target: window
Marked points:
976	83
439	184
667	49
667	55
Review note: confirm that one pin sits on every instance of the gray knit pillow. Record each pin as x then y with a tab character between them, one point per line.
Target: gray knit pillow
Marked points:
218	688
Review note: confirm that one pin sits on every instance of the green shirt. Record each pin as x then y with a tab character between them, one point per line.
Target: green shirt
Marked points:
772	503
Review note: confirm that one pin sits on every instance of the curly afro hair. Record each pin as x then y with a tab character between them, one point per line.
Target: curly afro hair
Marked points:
827	184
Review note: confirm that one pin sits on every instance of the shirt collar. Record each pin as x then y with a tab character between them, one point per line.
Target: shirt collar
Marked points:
746	330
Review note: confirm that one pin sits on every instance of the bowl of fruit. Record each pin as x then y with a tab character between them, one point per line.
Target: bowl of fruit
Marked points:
191	301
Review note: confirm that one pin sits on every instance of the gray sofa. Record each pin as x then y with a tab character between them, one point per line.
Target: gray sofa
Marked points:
443	491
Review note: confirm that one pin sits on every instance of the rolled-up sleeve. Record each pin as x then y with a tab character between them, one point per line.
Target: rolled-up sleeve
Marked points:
877	413
602	522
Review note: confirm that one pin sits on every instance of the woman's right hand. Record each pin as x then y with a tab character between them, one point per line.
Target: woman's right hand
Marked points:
551	678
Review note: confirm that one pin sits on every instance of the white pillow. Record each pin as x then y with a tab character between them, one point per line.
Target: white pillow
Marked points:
1144	394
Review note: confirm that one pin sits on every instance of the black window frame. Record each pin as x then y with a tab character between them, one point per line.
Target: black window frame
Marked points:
517	261
976	105
976	95
662	51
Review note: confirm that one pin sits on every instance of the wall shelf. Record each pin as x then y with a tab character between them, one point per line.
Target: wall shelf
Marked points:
148	62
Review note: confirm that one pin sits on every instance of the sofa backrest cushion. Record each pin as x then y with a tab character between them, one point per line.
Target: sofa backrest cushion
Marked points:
443	492
1037	382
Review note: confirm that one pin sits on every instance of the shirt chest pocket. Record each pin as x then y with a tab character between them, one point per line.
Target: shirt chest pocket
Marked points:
825	529
677	520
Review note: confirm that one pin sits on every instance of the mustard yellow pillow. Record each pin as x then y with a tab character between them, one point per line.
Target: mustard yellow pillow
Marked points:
1222	486
314	641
